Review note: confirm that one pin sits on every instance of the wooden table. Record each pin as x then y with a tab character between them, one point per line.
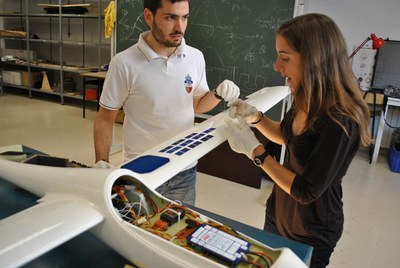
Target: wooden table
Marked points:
96	78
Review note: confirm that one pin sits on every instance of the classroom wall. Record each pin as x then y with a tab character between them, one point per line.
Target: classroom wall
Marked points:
359	18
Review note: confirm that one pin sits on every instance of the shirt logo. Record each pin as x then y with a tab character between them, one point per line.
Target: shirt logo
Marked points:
188	84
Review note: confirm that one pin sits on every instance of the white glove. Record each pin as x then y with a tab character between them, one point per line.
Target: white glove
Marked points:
227	90
241	108
240	137
102	164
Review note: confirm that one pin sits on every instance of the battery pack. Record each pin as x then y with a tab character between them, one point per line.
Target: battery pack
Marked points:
219	243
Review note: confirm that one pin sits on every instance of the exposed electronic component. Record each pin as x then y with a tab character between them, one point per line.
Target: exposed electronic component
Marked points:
219	243
160	225
191	223
183	227
173	215
138	200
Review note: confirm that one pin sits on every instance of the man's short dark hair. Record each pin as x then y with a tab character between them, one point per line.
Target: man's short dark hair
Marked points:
153	5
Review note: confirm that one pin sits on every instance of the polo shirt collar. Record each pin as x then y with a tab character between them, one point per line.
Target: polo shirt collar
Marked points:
150	54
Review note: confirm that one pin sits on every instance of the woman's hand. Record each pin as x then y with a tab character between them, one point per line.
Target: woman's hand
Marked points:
241	108
240	137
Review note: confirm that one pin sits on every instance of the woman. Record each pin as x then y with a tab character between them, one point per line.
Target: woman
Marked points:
322	131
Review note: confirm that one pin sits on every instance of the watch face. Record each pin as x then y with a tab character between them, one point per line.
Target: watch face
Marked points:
257	161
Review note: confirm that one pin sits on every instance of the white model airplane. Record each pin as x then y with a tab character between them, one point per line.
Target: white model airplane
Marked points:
121	207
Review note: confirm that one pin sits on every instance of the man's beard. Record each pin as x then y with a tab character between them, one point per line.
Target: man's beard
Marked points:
159	36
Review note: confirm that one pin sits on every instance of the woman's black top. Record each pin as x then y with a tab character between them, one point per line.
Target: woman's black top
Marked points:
313	212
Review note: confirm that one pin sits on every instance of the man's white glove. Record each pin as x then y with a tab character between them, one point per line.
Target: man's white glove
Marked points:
102	164
240	137
243	109
227	90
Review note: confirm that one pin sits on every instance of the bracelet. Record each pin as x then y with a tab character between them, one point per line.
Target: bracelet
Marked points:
259	120
216	95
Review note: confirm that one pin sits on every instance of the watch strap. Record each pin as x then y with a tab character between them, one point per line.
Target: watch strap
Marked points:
259	160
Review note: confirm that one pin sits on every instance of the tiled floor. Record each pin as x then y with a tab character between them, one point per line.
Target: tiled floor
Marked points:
371	192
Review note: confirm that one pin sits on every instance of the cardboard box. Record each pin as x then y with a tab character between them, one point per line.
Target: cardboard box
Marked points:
35	78
21	78
12	77
120	117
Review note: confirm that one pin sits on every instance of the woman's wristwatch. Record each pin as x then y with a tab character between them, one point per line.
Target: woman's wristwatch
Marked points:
259	160
261	115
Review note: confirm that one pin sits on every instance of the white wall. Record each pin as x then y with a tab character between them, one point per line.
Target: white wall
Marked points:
357	19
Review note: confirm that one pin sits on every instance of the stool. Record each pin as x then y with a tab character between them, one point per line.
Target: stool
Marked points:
96	79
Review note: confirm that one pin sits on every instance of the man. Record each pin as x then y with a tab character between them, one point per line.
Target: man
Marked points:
161	83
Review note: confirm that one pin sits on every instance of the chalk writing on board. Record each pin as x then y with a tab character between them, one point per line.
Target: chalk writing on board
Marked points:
237	40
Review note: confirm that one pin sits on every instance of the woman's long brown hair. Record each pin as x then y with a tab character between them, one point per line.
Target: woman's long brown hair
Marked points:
328	85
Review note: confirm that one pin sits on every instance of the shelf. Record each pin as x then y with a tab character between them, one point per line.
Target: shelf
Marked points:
14	14
77	95
57	42
79	16
16	86
80	43
55	67
75	42
73	69
13	38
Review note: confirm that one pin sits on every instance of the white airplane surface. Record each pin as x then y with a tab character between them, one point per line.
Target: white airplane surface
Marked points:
121	207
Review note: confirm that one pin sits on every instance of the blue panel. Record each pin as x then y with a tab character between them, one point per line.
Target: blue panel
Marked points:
181	152
209	130
191	141
206	138
194	144
146	163
166	149
190	135
198	136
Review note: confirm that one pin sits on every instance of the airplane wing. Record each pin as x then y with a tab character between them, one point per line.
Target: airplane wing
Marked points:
34	231
162	162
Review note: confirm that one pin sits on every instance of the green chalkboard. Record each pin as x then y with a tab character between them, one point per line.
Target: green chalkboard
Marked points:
237	37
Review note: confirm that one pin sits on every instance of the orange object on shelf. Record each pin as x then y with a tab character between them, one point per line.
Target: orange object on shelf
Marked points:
91	94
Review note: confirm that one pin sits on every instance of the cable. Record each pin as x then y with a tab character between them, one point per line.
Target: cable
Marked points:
153	205
179	202
389	125
160	225
127	209
253	263
262	256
